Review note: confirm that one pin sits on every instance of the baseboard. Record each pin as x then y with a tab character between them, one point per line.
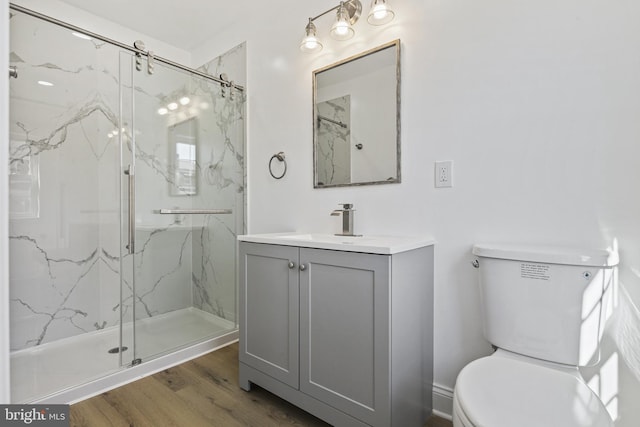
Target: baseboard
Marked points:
442	401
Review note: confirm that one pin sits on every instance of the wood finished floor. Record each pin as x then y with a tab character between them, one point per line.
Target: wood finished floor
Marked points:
201	392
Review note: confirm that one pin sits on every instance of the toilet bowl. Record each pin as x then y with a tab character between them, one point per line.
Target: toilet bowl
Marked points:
507	390
543	309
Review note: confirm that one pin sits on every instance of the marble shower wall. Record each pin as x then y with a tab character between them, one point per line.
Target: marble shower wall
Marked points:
333	149
65	247
211	128
64	221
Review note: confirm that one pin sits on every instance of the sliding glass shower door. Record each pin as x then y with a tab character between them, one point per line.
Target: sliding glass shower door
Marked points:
126	194
182	173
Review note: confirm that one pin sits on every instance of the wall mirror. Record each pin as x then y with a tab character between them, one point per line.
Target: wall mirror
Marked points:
356	119
183	151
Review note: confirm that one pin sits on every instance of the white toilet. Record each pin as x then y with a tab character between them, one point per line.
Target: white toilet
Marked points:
543	309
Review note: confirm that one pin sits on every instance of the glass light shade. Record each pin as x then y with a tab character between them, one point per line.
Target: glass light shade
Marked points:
380	13
310	42
341	29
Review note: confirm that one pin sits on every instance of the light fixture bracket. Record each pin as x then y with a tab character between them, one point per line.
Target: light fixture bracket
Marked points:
354	9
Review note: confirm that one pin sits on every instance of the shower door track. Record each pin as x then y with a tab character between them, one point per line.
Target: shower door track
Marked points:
123	46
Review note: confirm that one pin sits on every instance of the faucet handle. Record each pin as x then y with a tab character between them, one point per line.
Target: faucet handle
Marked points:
346	206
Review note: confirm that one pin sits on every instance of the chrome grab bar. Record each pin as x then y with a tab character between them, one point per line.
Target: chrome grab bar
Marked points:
194	211
132	209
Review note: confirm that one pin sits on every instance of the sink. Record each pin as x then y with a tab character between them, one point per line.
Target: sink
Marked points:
366	244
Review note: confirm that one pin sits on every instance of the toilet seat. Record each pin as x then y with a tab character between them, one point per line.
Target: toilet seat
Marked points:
498	391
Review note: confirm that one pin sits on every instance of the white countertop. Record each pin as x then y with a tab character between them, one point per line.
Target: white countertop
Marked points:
368	243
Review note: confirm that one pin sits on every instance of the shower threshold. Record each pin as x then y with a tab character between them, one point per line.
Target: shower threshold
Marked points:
75	368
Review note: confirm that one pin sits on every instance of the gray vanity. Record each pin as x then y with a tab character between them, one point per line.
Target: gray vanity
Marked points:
340	326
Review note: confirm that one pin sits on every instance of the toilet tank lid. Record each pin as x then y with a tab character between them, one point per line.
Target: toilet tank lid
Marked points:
548	254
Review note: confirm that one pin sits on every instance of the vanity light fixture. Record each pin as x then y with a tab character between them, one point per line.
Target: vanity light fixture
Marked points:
347	14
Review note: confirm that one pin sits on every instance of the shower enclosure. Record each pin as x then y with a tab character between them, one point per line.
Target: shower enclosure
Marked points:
126	196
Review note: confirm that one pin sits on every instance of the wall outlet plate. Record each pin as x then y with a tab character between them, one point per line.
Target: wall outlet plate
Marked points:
444	174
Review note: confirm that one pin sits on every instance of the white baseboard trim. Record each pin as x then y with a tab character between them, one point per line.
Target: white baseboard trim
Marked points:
442	401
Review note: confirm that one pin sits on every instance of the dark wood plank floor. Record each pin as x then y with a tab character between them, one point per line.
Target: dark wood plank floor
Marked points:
201	392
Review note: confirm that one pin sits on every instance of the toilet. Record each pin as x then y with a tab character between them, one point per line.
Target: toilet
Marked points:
543	310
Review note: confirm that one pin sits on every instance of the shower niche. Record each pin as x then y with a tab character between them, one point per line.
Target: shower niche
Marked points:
127	193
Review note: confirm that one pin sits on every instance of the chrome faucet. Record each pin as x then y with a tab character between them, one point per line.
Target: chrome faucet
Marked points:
347	213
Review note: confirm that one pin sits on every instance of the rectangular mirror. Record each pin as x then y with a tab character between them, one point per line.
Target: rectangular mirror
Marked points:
183	151
356	119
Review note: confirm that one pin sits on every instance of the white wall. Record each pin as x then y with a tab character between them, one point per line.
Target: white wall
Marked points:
535	102
4	201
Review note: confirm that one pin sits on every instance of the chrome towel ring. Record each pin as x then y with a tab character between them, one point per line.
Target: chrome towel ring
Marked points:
280	157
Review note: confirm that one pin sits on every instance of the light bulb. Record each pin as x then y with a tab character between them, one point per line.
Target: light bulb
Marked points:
162	111
341	29
380	13
172	106
310	42
184	100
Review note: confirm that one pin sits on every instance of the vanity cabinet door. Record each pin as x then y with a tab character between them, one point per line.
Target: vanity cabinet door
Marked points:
269	304
344	331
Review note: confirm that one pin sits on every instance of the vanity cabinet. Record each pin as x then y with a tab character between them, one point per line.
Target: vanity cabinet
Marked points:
345	335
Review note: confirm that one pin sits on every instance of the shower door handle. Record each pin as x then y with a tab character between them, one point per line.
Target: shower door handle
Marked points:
194	211
131	220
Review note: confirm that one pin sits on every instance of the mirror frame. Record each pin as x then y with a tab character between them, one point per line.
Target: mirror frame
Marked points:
395	44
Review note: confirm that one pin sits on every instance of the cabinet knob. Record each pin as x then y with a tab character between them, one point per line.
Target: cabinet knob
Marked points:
303	267
292	264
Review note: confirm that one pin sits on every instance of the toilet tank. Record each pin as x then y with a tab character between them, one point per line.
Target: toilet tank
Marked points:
545	302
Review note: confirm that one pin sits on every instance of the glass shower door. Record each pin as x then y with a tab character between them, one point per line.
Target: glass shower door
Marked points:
185	156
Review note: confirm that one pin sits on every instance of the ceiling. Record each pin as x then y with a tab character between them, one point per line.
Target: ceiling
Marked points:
185	24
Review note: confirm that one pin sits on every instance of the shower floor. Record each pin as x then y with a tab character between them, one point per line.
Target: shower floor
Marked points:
49	368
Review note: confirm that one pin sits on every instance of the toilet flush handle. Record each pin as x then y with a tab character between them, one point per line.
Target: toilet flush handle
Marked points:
475	263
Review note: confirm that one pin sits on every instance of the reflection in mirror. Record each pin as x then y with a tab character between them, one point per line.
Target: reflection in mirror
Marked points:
357	119
332	149
183	149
